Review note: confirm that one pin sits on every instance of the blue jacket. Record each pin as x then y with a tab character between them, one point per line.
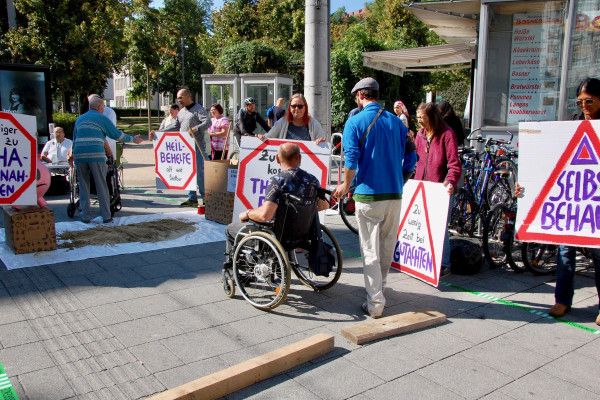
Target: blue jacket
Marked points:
380	161
89	134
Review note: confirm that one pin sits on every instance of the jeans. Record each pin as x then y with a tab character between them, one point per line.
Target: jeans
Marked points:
565	274
446	252
199	176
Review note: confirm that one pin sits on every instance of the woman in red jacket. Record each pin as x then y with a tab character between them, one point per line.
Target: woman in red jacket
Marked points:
437	149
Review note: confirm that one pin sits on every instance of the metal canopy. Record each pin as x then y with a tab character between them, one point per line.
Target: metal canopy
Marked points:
421	59
454	21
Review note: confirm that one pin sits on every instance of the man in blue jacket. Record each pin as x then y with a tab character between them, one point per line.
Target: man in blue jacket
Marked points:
374	142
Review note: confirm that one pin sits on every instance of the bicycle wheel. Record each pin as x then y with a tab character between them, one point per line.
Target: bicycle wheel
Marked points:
496	231
456	221
538	258
299	264
261	270
499	193
347	210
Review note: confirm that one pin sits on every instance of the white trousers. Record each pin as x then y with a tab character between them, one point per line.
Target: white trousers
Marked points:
378	223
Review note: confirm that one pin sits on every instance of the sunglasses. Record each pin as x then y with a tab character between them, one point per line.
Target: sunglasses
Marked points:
587	102
300	106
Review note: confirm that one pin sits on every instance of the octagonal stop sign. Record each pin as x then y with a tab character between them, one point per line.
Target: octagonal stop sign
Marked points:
18	159
175	159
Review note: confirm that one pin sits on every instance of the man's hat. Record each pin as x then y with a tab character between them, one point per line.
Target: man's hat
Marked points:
249	100
365	84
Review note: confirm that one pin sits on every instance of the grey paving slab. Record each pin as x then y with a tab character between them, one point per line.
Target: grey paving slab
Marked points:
150	305
188	372
145	330
110	314
200	345
255	330
507	357
387	360
591	349
25	358
578	369
156	357
46	384
472	329
278	387
411	386
540	385
456	374
104	295
324	381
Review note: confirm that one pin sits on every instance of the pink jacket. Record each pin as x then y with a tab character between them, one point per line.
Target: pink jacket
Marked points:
438	160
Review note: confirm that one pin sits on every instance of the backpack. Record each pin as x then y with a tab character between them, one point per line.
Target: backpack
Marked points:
321	255
465	256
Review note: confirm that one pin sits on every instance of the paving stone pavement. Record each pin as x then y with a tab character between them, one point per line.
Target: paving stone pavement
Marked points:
130	326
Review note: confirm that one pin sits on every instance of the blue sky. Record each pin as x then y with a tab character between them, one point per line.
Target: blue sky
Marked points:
351	5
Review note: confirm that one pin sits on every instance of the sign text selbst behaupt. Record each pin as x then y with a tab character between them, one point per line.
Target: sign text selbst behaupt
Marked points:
559	168
258	164
175	161
420	244
18	159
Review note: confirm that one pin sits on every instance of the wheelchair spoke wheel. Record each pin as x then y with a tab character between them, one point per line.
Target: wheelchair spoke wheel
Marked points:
261	270
347	212
299	264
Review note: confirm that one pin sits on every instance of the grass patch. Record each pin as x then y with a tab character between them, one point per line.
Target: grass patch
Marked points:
136	125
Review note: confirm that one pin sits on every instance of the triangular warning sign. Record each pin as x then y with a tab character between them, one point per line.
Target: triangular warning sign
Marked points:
585	154
415	253
582	149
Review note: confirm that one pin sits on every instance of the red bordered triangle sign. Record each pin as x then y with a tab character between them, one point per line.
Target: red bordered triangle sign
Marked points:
581	155
414	253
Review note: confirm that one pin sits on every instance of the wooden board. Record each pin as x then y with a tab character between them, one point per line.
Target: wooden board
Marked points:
249	372
393	325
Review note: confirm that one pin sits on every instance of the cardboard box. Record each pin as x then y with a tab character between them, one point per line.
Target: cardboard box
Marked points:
220	178
28	231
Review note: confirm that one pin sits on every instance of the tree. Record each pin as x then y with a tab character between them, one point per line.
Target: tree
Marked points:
81	41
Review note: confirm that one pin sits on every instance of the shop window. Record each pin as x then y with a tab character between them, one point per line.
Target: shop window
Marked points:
524	62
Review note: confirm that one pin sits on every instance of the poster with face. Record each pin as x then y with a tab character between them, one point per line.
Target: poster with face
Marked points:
24	92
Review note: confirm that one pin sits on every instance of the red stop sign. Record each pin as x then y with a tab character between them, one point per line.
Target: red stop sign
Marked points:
18	159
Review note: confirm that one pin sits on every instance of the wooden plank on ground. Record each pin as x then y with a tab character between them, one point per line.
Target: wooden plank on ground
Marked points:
249	372
393	325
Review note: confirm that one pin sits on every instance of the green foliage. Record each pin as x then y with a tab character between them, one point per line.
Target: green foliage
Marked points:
81	41
65	121
457	95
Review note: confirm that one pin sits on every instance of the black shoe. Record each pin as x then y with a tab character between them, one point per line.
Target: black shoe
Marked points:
190	203
445	272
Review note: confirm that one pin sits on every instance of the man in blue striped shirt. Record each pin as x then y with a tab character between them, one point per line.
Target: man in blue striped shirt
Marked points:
89	134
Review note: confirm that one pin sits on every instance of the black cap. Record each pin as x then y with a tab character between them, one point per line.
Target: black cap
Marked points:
365	84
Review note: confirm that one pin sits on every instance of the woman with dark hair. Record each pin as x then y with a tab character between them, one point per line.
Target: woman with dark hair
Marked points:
218	131
588	99
452	121
437	150
15	98
297	124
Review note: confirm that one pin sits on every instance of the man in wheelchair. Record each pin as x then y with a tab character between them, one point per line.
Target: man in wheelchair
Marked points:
288	214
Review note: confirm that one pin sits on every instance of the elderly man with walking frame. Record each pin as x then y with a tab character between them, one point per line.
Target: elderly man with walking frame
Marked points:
374	143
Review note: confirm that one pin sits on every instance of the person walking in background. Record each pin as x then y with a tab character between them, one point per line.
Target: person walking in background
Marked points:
374	147
402	112
218	131
452	121
89	156
247	119
275	112
437	149
193	119
297	124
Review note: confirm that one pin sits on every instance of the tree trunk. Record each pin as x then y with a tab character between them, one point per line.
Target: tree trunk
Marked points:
66	102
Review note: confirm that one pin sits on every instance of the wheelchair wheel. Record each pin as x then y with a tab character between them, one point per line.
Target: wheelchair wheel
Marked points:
347	211
261	270
228	284
299	264
71	210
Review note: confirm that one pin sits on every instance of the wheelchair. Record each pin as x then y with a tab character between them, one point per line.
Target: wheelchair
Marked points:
264	254
112	182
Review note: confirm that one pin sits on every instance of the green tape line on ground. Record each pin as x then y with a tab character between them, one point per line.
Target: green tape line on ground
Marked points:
351	254
515	305
7	392
152	194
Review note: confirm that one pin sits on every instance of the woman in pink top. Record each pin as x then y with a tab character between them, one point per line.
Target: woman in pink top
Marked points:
437	149
218	131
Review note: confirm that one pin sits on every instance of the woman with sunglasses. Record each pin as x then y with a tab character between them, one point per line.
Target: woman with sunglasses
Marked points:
588	99
297	124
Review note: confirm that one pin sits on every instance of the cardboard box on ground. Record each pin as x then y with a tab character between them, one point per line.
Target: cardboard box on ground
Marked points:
29	231
220	178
